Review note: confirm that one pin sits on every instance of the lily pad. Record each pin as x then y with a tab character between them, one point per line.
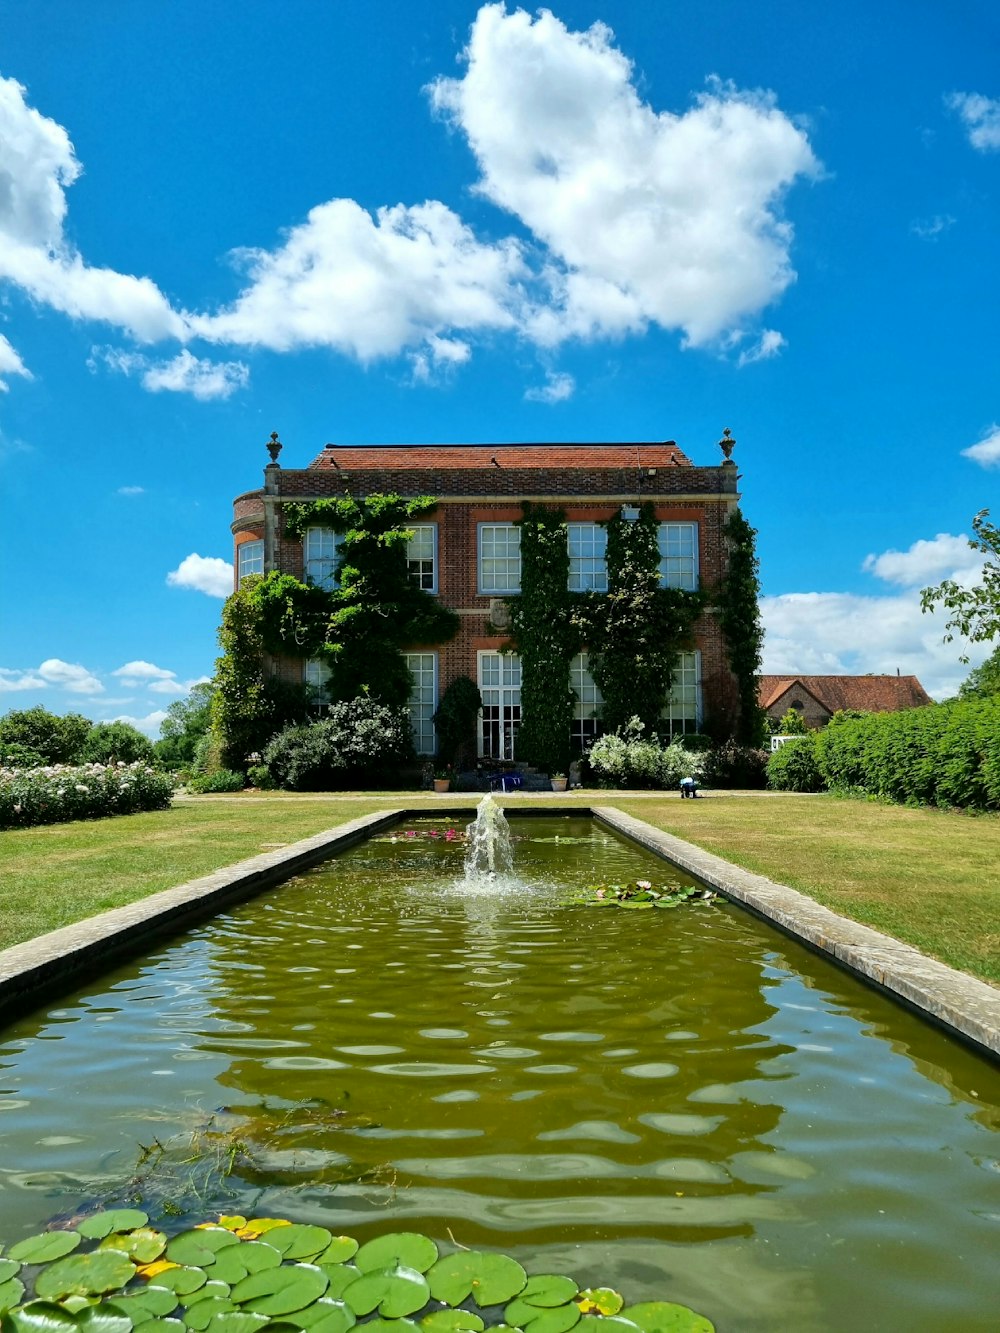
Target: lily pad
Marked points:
665	1317
548	1290
238	1261
238	1321
298	1241
396	1292
198	1247
183	1280
8	1268
600	1300
150	1303
84	1275
392	1326
490	1279
45	1248
41	1317
163	1326
608	1324
143	1245
212	1288
278	1291
341	1276
115	1219
261	1225
11	1292
406	1249
201	1314
324	1316
340	1249
558	1319
452	1321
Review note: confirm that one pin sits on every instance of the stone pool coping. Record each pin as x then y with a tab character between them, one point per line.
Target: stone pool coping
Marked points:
55	963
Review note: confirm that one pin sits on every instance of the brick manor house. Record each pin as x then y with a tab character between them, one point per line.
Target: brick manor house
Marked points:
467	553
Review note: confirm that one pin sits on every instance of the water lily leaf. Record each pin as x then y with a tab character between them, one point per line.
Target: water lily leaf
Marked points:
665	1317
392	1326
548	1289
201	1314
198	1247
8	1269
340	1249
183	1280
233	1222
324	1316
260	1225
452	1321
84	1275
490	1278
102	1318
396	1292
341	1276
237	1261
115	1219
213	1287
11	1292
403	1249
299	1241
77	1303
636	907
163	1326
40	1317
44	1248
278	1291
540	1320
666	902
150	1303
237	1321
600	1300
144	1244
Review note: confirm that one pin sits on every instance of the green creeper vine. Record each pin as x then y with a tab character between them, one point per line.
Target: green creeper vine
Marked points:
547	636
637	630
739	604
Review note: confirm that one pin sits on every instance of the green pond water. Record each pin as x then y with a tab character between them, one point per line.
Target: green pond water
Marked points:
681	1104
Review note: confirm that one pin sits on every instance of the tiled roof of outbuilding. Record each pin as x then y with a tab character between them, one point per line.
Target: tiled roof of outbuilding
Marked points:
871	694
357	458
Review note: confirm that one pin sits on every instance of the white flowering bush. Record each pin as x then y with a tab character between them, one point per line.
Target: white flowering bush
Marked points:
624	759
60	792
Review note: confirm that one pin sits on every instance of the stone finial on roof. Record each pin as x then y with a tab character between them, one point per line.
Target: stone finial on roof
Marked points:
274	447
726	444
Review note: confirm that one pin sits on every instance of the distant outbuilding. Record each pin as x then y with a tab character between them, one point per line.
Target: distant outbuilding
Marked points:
817	698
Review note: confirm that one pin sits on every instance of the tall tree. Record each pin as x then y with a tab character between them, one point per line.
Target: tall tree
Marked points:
974	613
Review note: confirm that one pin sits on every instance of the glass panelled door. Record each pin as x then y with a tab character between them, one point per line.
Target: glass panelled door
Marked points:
500	686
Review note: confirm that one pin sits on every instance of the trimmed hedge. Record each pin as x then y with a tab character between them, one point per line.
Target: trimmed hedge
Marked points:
943	754
793	766
56	794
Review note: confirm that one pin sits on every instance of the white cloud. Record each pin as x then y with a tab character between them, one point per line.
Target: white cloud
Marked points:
371	287
929	229
69	676
981	117
204	573
649	216
945	556
37	165
987	451
12	681
557	388
768	344
185	373
437	358
148	725
131	490
10	362
139	672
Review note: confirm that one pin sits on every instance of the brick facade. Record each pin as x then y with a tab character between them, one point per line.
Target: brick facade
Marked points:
474	484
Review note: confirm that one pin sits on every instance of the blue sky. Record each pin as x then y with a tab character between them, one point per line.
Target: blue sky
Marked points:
448	222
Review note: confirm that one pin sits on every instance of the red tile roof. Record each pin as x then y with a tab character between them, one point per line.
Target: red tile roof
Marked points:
872	694
356	457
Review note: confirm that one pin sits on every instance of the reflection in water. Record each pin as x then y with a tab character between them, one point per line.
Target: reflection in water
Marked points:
680	1103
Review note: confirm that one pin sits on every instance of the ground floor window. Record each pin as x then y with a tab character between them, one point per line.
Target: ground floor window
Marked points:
683	711
500	687
423	700
585	727
316	674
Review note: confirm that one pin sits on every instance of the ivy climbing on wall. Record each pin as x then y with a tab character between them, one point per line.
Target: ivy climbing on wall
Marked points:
739	606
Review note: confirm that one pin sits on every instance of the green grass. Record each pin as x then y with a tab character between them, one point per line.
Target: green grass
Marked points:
925	876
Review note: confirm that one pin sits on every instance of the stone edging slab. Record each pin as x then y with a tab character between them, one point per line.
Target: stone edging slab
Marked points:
964	1005
56	962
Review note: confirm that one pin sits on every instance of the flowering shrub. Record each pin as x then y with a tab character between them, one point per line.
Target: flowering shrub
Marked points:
60	792
624	759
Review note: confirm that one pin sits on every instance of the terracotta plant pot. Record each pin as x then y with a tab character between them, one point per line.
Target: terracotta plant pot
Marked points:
442	784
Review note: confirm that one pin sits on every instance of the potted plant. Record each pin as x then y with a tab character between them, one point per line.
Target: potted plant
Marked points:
442	778
559	781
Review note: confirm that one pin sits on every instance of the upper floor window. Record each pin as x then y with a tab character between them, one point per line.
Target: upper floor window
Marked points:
588	565
499	558
421	556
678	543
250	558
319	557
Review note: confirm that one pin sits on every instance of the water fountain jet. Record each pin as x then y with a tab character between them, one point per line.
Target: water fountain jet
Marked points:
490	850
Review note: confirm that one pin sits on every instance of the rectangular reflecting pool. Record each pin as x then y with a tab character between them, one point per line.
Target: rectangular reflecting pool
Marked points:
682	1104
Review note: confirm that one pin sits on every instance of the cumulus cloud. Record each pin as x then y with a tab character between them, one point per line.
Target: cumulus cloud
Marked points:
649	216
140	673
437	358
69	676
987	451
10	364
13	681
201	378
371	286
927	561
148	725
981	117
558	387
767	345
204	573
37	165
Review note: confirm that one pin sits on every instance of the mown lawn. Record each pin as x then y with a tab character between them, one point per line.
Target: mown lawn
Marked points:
925	876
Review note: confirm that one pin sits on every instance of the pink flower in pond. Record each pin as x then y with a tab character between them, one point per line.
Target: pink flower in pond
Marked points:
451	835
643	884
600	893
411	832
